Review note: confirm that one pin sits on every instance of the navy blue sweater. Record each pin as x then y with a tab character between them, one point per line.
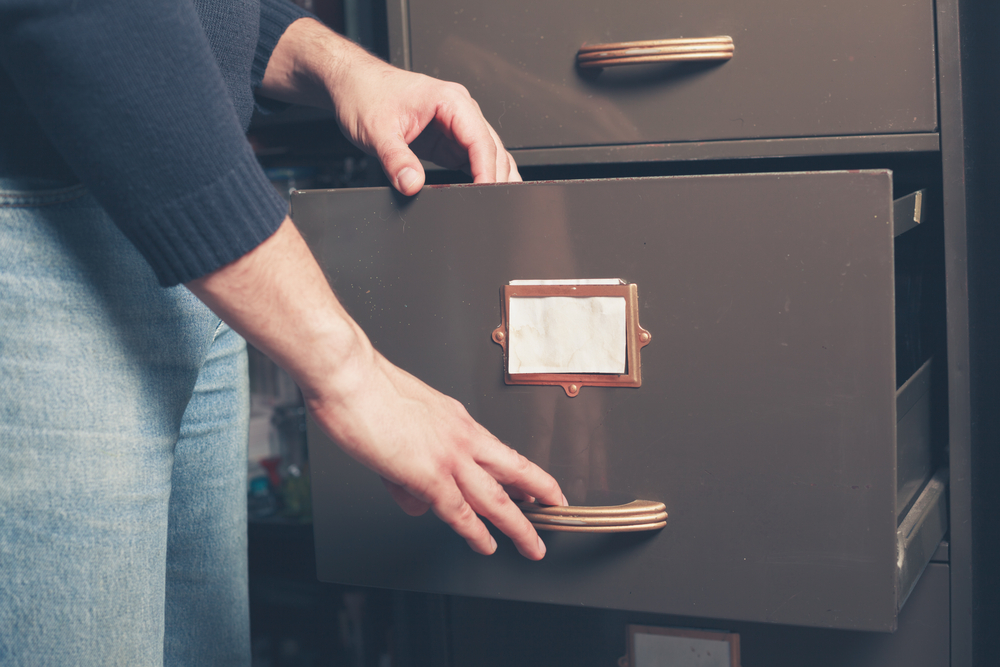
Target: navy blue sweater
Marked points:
147	103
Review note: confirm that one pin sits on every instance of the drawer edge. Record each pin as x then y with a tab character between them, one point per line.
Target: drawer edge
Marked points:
928	142
920	534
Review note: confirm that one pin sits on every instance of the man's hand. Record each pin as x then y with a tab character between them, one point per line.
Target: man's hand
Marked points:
432	454
426	447
397	116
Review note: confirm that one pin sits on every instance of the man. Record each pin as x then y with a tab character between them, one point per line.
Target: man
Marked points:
124	177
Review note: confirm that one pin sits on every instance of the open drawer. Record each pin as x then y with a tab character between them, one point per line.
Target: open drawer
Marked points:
768	418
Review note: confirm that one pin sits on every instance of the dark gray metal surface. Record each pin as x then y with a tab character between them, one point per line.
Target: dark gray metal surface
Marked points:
920	532
493	633
801	69
915	451
717	150
766	419
961	538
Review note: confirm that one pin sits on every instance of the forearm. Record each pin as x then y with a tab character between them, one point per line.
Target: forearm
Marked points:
306	59
277	297
427	448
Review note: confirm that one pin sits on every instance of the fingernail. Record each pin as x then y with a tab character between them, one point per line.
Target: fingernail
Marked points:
564	501
541	546
406	178
493	544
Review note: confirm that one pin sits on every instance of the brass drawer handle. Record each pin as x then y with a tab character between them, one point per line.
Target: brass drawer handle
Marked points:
631	517
654	51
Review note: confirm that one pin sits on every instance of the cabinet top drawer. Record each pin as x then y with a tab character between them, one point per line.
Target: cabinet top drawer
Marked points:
799	69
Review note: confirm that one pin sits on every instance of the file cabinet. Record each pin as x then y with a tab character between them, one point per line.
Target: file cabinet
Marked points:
768	419
943	42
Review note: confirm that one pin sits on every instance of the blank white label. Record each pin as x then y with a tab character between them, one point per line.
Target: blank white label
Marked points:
563	334
678	651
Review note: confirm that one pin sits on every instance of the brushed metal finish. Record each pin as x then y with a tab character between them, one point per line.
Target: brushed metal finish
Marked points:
766	419
802	69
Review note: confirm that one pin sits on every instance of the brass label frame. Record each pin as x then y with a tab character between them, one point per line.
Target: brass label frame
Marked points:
636	337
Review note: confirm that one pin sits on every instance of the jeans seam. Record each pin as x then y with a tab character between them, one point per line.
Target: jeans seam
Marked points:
15	199
218	330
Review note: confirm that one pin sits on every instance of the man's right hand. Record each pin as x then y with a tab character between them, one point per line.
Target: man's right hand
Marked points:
426	447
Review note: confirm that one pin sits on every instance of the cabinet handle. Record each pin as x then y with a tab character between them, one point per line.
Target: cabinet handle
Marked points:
654	51
638	515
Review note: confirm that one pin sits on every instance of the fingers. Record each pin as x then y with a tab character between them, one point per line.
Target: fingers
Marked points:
503	159
477	494
401	165
437	121
471	131
488	160
506	167
489	499
512	469
515	175
485	487
454	509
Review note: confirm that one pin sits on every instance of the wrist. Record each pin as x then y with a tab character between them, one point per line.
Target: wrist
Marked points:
278	298
303	60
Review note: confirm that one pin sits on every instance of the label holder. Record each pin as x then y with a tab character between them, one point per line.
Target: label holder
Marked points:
636	337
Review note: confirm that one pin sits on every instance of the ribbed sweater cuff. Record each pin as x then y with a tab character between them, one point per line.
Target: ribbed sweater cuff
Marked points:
275	17
212	226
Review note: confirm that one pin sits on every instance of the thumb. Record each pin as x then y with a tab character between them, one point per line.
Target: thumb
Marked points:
401	166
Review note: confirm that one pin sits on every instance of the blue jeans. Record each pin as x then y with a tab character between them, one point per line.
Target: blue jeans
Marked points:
123	430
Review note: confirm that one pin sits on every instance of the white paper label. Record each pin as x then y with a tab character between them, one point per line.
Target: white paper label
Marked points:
563	334
672	651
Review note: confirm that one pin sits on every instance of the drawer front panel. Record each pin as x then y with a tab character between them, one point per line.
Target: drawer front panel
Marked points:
800	69
765	420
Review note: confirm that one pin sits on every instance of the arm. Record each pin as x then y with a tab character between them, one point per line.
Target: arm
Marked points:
425	446
386	111
428	450
161	148
129	94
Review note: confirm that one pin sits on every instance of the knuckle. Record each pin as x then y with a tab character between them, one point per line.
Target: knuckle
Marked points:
465	515
455	406
496	495
459	89
520	464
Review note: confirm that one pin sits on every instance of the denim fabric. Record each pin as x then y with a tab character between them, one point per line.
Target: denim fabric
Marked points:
123	430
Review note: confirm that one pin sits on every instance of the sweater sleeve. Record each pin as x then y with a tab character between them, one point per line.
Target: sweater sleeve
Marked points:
132	98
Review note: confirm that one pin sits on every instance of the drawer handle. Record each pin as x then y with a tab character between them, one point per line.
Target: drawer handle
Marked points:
638	515
695	49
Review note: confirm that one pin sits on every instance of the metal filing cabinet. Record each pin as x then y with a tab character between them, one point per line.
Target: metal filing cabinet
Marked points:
756	448
768	418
